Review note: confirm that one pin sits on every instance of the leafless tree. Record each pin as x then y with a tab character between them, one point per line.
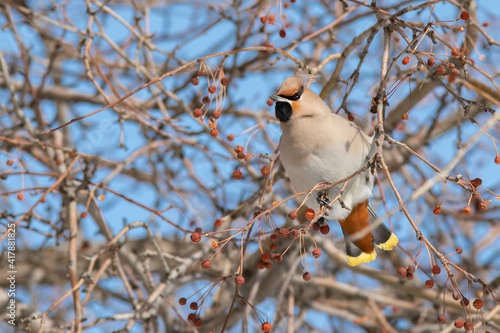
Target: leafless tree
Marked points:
141	186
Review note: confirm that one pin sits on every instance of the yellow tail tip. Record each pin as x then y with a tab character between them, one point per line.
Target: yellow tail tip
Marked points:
389	244
363	258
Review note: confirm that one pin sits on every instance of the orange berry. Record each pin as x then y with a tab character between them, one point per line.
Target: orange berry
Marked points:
230	137
238	149
431	62
83	215
467	211
286	5
195	81
263	19
459	323
214	132
9	162
437	210
218	222
270	102
486	24
205	264
292	215
483	206
316	253
214	244
497	160
265	170
216	114
309	214
211	89
266	327
455	52
20	196
441	69
271	19
406	60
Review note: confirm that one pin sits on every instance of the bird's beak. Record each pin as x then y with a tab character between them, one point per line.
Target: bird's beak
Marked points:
277	99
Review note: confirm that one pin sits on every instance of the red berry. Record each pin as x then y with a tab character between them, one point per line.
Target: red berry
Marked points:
20	196
193	306
9	162
214	132
436	269
197	113
216	114
309	214
198	322
270	102
192	317
294	233
238	149
218	222
239	280
292	215
410	270
200	73
410	276
483	206
455	296
486	24
350	117
402	272
241	155
282	33
406	60
442	318
278	258
467	211
325	230
316	226
273	238
465	15
269	265
429	284
459	323
455	52
455	72
195	81
497	160
316	253
306	276
460	250
478	304
230	137
431	62
211	89
224	81
263	19
198	230
83	215
265	170
261	265
182	301
273	247
195	237
468	326
284	233
265	257
266	327
205	99
237	175
437	210
441	69
205	264
464	302
286	5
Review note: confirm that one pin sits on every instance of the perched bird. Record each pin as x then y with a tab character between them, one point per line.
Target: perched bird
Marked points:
316	146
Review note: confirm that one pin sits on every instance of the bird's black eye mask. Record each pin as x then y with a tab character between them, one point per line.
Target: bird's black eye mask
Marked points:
296	96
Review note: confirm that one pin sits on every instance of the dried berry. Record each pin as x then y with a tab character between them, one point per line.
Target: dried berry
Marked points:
237	175
224	81
350	117
197	113
284	233
241	155
205	99
238	149
294	233
402	272
265	257
214	132
455	296
410	269
218	222
211	89
195	237
441	69
265	171
182	301
406	60
316	253
193	306
478	304
205	264
436	269
429	284
269	265
437	210
292	215
195	81
467	211
410	276
9	162
261	265
455	52
216	114
198	322
465	15
464	302
309	214
459	323
325	230
468	326
192	317
230	137
460	250
442	319
239	280
306	276
316	226
431	62
278	258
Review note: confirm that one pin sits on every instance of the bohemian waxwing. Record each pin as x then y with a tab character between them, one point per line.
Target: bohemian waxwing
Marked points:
316	146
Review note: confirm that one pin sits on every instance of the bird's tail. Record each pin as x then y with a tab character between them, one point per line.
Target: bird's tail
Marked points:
381	236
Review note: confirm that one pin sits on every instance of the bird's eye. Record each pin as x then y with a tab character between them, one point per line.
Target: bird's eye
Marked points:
296	96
